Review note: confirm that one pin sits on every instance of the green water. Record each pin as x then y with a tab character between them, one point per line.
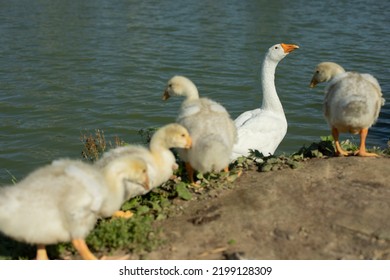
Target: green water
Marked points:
70	67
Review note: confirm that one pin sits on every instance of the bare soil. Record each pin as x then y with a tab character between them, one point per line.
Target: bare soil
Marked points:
334	208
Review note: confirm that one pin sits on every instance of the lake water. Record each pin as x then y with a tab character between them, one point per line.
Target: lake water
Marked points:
69	67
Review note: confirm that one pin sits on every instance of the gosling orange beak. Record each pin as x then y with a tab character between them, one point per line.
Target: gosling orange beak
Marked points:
289	47
165	95
313	82
146	184
189	143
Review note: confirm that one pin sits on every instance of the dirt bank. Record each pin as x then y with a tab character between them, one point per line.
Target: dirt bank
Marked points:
336	208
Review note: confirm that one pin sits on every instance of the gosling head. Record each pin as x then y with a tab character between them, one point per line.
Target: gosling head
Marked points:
127	168
180	86
324	72
172	136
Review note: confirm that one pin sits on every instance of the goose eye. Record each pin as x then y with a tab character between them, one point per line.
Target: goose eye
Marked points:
183	135
276	48
317	72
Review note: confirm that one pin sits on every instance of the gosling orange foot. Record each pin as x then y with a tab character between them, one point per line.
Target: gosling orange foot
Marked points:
362	148
124	257
365	154
339	150
196	184
122	214
342	153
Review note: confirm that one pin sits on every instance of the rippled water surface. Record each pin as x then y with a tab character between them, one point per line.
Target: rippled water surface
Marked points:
70	67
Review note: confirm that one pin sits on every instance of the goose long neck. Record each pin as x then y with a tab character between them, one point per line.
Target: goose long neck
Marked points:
191	92
271	100
157	143
159	150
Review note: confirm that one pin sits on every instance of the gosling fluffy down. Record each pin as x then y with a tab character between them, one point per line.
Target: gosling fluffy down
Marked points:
61	202
352	102
160	160
212	130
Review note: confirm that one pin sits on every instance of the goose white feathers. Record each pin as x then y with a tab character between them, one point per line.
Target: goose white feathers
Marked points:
62	201
160	160
212	130
352	102
264	128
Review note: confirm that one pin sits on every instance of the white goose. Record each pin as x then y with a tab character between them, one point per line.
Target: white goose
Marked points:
352	102
209	124
62	201
264	128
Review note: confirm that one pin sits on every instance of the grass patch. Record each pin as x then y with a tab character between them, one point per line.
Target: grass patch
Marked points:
322	149
94	145
134	235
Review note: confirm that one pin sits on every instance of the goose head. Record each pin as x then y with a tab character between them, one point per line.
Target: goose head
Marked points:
172	136
324	72
180	86
126	169
279	51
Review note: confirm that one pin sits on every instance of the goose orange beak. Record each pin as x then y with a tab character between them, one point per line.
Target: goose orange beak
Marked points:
165	95
189	143
146	184
289	47
313	82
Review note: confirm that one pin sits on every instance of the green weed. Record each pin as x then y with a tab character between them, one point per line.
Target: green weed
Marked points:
94	145
133	235
322	149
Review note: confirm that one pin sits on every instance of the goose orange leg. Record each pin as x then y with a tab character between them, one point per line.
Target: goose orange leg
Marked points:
83	249
41	252
362	148
339	150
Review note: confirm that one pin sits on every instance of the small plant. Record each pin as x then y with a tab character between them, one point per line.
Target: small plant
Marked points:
243	163
13	178
321	149
133	235
273	163
94	145
182	191
349	146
